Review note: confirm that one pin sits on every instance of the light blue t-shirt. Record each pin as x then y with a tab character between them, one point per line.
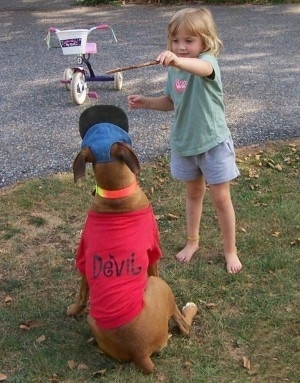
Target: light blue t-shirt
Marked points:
199	123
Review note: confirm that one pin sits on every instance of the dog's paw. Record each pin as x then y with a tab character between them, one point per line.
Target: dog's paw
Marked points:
74	309
190	306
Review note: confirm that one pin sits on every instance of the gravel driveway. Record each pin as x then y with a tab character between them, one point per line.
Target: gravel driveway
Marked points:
39	123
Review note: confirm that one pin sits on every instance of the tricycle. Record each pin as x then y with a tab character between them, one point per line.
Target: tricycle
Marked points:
76	78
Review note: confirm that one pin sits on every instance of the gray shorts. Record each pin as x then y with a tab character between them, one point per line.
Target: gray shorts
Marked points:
217	165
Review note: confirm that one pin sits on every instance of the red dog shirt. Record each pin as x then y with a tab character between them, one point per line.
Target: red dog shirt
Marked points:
114	254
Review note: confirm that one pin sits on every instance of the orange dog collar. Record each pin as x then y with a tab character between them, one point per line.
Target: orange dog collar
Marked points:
125	192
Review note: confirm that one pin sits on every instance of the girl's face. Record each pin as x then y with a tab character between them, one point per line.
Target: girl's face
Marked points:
185	45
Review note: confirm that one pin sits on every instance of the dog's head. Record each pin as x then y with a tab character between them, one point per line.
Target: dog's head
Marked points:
105	138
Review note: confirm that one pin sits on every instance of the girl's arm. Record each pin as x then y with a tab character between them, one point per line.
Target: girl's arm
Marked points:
162	103
194	66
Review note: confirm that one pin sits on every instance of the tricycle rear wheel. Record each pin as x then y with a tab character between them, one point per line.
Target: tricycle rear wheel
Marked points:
67	76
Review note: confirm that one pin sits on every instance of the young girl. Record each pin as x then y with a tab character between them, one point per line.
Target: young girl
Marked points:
201	145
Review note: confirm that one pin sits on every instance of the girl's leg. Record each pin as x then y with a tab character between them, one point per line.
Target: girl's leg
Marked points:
195	191
221	199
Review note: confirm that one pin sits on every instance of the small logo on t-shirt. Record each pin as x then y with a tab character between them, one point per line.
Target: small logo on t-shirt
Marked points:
180	85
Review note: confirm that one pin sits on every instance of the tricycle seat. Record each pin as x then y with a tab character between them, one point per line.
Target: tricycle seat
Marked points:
91	48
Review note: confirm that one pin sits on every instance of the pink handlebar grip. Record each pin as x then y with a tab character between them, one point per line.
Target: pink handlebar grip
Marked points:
102	26
52	29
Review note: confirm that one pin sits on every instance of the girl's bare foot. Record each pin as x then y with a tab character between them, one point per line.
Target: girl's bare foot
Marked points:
233	264
185	255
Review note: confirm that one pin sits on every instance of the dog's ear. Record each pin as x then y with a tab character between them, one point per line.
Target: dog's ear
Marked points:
123	152
84	156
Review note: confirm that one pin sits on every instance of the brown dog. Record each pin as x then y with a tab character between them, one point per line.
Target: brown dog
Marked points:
129	305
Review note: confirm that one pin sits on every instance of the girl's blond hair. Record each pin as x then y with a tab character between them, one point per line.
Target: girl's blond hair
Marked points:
198	22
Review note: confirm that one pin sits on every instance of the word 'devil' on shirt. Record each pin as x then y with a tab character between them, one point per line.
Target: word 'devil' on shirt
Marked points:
114	268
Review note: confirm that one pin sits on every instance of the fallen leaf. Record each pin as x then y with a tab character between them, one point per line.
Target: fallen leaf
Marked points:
82	366
246	362
54	379
252	173
295	243
72	364
187	364
160	180
100	372
243	230
261	204
240	342
210	305
8	299
36	324
41	339
269	163
2	377
278	167
24	327
31	324
172	216
161	377
276	234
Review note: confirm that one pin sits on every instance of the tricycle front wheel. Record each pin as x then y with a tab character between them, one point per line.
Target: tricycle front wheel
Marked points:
118	80
78	88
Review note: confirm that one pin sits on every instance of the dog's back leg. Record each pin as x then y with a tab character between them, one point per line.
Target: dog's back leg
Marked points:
144	363
125	344
184	320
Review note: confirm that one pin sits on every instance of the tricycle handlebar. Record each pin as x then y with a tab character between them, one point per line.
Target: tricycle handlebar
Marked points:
53	29
102	26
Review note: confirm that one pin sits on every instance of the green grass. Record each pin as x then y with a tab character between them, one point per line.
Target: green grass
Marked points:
178	2
254	2
252	316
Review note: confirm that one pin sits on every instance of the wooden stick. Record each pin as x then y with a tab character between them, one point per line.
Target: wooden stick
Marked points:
132	67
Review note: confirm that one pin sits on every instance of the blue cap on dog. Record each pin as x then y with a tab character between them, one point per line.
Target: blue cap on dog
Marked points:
100	137
102	113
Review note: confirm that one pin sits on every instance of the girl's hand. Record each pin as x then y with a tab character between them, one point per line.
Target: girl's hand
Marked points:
161	103
193	65
168	58
136	101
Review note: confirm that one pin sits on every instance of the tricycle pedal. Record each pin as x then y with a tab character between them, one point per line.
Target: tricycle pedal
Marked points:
92	94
